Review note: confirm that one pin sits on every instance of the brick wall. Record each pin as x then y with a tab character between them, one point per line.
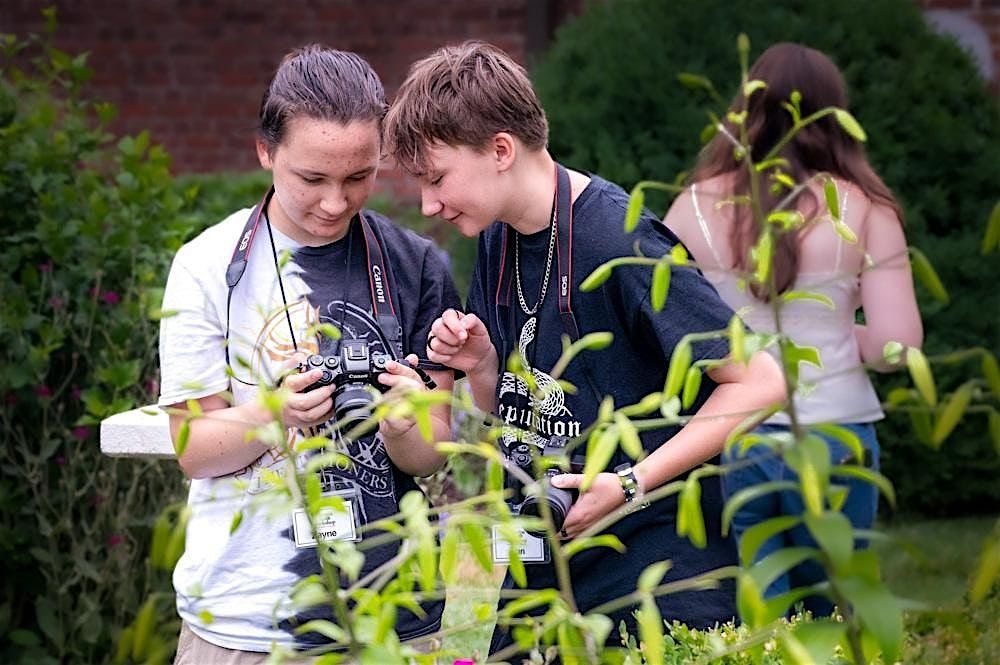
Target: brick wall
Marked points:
976	24
192	71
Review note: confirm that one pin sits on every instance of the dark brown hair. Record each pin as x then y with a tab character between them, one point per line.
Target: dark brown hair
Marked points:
462	96
320	83
822	147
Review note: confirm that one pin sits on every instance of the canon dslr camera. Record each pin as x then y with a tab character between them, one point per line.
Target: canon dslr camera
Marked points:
352	371
558	499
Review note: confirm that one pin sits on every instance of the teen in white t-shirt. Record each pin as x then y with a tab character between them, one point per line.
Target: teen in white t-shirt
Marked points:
313	256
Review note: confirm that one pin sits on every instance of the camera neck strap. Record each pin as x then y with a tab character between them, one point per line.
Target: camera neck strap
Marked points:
562	217
380	277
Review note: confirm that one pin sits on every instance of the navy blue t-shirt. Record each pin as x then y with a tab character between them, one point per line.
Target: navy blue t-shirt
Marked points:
633	366
340	289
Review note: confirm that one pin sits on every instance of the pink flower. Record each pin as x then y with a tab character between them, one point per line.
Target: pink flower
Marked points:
60	460
99	499
43	391
55	302
464	661
76	393
81	433
45	267
114	540
110	298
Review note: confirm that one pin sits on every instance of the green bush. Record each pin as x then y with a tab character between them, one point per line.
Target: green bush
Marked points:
615	104
89	228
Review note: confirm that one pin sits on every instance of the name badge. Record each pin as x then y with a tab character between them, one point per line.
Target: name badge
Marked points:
531	549
330	525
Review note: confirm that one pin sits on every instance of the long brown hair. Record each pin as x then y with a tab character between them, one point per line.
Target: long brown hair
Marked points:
823	146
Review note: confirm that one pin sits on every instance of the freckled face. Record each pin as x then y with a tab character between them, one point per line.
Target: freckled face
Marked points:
323	173
462	187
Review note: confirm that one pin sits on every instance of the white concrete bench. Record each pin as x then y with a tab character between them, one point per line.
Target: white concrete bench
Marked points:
142	432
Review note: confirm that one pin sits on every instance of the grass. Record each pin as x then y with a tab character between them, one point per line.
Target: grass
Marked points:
926	562
471	599
931	562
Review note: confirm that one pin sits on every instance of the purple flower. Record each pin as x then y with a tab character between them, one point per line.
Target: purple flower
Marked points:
114	540
45	267
76	393
81	433
56	302
110	298
43	391
60	460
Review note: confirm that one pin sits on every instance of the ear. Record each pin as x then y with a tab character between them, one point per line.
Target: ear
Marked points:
504	151
263	156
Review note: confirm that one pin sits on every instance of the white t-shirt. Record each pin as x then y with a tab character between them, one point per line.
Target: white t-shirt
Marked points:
242	579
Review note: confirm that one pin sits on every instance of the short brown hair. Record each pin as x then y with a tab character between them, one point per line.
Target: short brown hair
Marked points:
463	95
321	83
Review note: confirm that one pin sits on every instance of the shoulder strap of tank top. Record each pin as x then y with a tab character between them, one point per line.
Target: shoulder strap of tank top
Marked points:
703	225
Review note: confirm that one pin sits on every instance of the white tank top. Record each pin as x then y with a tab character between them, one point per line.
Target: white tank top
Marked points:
839	391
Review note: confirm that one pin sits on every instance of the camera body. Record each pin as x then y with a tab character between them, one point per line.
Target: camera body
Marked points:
559	500
352	371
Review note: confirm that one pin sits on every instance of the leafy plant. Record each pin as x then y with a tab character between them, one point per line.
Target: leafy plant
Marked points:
89	225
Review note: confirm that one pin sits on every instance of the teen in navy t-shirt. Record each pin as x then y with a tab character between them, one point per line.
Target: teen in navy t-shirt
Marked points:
467	123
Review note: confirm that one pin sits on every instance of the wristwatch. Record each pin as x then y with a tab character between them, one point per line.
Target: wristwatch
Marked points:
630	487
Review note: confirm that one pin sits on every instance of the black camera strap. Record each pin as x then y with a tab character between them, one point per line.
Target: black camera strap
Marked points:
380	278
505	313
563	217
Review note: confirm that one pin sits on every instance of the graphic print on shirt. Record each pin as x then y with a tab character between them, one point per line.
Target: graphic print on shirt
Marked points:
532	419
367	464
364	470
272	349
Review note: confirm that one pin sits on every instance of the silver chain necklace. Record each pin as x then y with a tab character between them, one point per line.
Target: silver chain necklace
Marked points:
530	311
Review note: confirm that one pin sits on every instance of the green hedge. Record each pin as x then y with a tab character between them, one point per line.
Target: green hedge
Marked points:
610	86
89	226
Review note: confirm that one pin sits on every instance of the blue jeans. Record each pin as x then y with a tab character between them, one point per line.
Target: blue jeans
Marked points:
764	466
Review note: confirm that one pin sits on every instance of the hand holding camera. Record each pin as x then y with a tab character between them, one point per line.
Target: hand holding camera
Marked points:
571	509
350	375
304	408
599	500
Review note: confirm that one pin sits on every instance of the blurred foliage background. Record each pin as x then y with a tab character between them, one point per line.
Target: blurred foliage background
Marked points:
616	107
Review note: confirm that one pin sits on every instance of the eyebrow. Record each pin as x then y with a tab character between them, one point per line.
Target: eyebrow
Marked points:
323	174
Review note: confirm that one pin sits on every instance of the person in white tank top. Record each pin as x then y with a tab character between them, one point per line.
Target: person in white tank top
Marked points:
871	274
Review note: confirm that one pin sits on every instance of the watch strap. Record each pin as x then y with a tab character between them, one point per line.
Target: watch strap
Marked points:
630	486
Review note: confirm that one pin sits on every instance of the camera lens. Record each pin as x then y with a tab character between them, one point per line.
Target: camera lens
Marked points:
559	501
352	406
